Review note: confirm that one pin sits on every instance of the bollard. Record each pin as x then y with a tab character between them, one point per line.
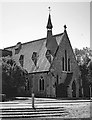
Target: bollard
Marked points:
32	100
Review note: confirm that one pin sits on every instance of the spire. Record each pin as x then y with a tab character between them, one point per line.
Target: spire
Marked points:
49	24
51	43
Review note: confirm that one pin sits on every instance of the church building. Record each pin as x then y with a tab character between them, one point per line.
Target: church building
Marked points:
51	64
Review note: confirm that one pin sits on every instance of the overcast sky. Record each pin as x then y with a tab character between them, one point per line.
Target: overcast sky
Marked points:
26	21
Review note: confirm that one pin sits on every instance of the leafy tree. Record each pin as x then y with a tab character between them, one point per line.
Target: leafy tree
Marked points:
90	72
13	76
85	56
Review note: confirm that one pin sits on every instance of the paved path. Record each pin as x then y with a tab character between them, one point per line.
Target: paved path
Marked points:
45	109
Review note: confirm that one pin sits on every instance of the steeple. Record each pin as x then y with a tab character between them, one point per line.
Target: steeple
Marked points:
49	24
51	43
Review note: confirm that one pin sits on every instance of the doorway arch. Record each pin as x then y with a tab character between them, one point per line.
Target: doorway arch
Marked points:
73	89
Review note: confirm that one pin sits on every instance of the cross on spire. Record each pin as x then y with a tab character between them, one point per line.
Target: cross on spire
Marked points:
65	27
49	9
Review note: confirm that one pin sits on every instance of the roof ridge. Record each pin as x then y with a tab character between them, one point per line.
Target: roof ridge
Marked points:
33	41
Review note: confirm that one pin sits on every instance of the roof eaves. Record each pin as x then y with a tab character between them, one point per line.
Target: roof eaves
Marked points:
39	72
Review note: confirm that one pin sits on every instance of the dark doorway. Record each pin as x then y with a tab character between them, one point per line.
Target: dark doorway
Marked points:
61	91
73	89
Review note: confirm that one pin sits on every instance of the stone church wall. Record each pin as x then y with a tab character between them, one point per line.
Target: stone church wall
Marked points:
57	66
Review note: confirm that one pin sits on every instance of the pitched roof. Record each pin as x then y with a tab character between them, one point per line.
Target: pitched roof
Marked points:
43	64
38	46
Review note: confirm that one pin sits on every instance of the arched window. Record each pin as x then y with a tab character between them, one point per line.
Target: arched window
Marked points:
73	89
41	84
21	60
63	63
68	64
65	60
34	57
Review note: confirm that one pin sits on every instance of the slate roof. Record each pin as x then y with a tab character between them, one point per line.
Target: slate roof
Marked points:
42	63
38	46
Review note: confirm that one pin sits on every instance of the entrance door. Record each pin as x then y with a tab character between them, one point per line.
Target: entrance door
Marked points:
73	89
61	91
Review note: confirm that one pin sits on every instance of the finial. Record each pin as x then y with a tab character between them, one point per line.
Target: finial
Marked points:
65	27
49	24
49	9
